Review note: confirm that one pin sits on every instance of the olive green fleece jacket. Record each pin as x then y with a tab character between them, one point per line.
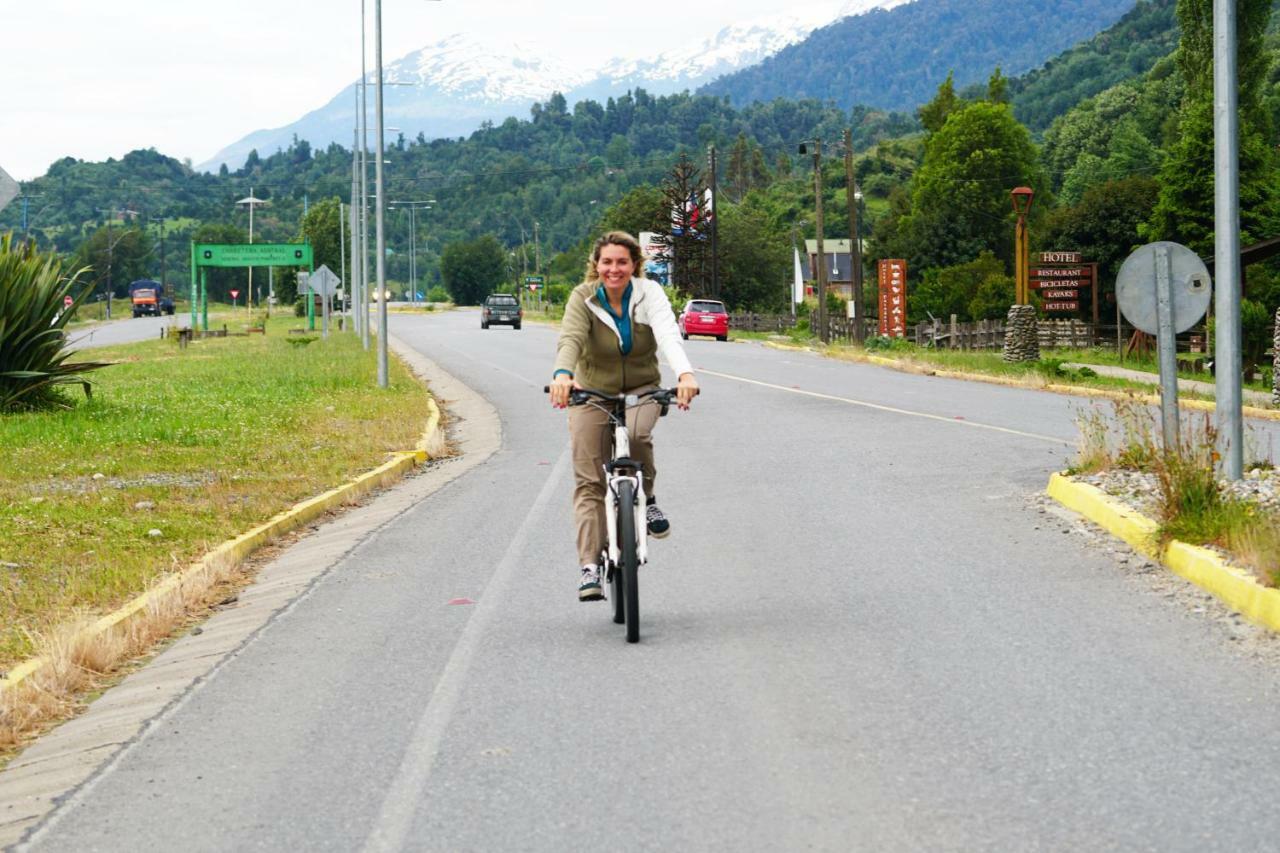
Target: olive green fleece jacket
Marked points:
590	345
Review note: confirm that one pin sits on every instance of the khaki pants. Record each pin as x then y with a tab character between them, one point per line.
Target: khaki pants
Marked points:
591	438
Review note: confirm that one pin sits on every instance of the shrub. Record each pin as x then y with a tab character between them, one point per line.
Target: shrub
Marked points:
437	294
558	294
33	316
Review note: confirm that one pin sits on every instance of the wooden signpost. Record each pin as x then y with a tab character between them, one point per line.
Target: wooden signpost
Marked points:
1060	276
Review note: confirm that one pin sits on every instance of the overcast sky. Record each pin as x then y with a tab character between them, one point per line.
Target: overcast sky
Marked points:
93	79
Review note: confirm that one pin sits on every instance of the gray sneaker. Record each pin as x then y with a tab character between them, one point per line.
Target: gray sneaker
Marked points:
657	523
589	587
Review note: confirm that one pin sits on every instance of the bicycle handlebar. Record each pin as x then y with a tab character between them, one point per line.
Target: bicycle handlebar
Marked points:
579	396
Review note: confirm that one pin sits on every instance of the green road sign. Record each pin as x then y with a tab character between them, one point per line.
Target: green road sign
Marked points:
253	255
533	279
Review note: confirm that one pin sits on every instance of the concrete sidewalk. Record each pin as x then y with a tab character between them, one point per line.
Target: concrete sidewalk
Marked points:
1252	398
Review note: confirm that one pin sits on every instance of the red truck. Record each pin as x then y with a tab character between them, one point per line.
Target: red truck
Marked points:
148	298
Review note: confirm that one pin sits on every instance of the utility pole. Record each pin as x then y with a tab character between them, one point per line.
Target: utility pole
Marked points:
715	226
537	251
855	238
822	257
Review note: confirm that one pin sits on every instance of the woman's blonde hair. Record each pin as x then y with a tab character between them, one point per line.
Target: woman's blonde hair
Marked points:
615	238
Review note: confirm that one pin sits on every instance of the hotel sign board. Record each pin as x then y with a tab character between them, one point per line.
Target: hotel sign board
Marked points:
893	298
1060	276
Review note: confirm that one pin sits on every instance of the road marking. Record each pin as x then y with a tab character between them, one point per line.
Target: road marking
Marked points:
405	794
943	418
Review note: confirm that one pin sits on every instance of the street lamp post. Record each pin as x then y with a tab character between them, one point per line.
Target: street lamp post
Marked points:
1022	198
251	201
412	207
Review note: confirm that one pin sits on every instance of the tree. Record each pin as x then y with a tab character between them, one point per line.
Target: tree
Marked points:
998	87
116	255
756	268
978	290
320	228
636	211
472	269
1185	211
933	115
746	170
960	203
680	229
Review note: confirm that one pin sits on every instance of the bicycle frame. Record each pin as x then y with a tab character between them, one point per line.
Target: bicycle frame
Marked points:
615	473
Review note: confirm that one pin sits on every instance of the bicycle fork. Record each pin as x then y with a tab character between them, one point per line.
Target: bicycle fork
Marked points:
622	450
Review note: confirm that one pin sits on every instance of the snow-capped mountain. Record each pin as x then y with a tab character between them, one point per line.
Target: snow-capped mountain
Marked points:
460	82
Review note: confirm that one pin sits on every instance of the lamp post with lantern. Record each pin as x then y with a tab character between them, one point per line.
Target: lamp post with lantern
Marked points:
1022	198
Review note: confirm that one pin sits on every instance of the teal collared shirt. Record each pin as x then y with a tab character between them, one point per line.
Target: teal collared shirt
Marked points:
624	321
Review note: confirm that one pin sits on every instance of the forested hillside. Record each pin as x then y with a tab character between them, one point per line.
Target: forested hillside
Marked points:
896	59
541	186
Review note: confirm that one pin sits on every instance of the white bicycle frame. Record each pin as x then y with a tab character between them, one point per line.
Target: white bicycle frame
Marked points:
622	450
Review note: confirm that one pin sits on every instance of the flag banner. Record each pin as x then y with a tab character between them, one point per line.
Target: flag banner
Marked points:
797	287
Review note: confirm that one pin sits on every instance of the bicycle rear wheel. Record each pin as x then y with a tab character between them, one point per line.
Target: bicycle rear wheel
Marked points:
630	560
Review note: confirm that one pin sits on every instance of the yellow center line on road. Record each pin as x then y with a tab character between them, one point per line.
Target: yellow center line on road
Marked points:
891	409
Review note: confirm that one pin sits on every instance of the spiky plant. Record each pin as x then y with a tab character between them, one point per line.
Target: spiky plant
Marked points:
33	354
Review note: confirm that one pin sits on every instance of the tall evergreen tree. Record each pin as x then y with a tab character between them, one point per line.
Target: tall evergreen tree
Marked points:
1185	211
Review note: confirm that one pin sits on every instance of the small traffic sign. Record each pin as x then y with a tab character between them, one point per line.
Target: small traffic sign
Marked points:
323	282
235	294
9	189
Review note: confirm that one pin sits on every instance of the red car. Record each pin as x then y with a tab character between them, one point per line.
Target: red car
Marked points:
704	317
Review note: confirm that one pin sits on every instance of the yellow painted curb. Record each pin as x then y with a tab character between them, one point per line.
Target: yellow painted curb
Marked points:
234	551
1233	586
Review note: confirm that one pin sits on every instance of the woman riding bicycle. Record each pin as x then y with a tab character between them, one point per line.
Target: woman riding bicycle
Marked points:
613	329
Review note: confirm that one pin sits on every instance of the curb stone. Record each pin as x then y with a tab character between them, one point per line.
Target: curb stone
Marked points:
1235	587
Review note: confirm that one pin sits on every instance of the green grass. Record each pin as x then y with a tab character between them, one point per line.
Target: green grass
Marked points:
219	437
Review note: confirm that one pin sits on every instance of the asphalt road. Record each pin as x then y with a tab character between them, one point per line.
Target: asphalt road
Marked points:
862	634
126	330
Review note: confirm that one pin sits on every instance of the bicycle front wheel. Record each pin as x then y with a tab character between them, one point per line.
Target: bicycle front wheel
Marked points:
630	560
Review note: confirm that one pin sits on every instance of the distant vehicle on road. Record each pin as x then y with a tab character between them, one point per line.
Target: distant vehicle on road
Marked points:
148	298
501	308
704	317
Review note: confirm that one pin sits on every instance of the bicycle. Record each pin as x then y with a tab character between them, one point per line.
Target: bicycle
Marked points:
625	524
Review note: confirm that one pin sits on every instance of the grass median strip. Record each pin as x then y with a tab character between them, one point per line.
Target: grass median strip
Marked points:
178	451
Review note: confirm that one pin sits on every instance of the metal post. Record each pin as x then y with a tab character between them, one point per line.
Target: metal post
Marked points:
715	230
355	225
1167	343
204	296
379	203
342	259
249	293
195	294
110	262
364	186
1226	139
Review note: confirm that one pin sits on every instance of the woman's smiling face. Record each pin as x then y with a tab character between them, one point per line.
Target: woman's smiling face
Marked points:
615	267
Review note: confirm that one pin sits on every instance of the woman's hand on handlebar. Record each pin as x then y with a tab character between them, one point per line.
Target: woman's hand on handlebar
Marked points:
560	388
686	390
